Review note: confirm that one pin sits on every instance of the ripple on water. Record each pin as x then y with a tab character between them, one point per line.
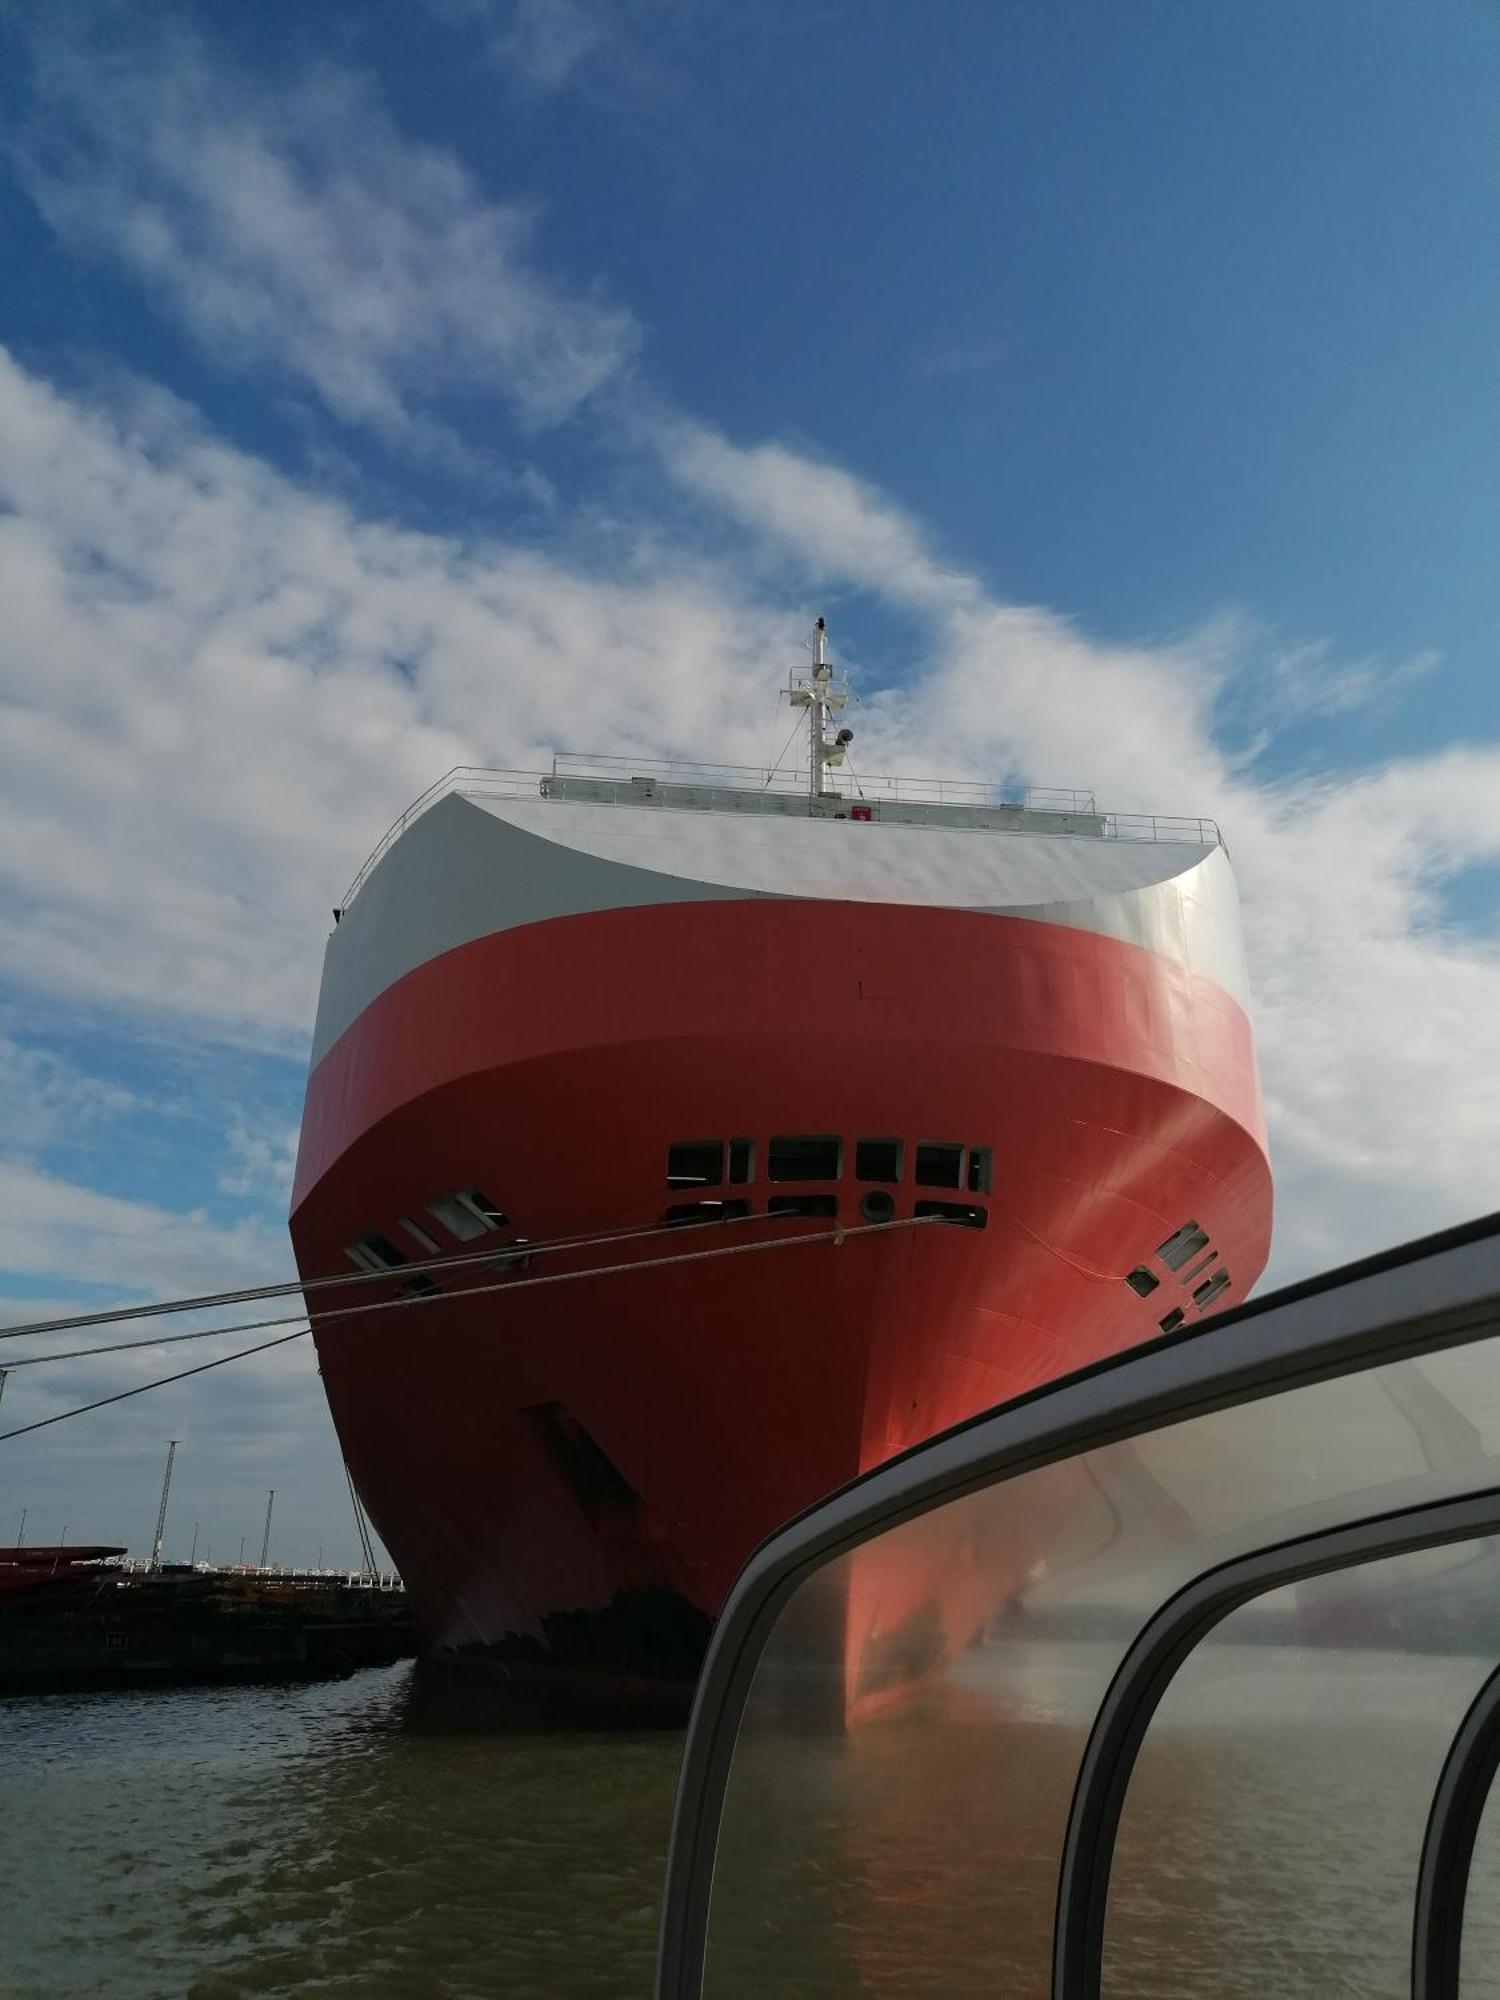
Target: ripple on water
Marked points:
266	1841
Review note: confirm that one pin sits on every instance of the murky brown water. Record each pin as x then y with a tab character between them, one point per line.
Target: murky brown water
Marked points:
267	1841
348	1840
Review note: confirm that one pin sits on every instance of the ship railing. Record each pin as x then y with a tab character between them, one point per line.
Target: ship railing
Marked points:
791	782
663	784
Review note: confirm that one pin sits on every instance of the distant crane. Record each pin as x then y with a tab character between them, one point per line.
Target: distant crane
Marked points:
265	1540
161	1512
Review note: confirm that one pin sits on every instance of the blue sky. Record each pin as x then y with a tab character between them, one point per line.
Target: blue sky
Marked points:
384	388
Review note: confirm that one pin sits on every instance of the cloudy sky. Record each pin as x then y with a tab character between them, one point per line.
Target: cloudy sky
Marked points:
389	387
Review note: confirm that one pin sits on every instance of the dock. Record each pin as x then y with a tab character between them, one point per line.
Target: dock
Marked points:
80	1618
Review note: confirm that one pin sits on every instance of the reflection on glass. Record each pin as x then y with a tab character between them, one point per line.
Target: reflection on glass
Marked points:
899	1794
1479	1968
1273	1827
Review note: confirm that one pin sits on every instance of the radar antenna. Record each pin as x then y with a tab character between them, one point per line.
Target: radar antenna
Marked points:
817	691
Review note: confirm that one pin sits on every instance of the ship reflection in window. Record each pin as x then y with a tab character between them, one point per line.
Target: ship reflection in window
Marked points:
806	1159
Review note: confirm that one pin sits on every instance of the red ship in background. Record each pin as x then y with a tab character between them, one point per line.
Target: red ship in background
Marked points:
947	1095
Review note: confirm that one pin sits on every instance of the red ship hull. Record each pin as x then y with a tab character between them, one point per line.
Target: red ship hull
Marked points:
570	1475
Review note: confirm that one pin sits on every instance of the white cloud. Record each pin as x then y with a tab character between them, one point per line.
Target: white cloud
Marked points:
834	522
217	689
60	1230
260	1159
46	1099
298	231
546	42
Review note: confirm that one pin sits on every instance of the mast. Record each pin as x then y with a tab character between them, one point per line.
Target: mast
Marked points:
819	694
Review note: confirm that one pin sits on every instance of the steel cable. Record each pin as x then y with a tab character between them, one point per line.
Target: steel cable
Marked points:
838	1234
413	1267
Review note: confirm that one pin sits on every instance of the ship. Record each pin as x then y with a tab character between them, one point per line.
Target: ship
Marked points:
694	1138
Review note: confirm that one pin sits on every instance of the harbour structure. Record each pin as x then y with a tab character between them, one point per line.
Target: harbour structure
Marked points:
79	1617
955	1093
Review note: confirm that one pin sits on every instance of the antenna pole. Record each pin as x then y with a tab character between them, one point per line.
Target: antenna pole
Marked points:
816	693
821	675
161	1512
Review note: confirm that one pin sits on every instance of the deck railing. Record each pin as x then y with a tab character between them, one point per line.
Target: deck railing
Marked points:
662	784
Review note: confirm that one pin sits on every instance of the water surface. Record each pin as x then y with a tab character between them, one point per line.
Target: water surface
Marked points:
338	1839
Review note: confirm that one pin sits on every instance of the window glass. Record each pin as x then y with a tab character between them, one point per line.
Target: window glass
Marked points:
695	1163
741	1161
803	1204
1273	1825
805	1159
1479	1967
980	1160
706	1211
877	1160
457	1217
954	1211
1205	1294
489	1212
900	1786
1183	1245
939	1164
375	1253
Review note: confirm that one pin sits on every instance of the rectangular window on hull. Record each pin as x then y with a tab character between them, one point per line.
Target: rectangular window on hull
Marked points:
939	1164
467	1214
817	1158
877	1160
695	1163
489	1212
1173	1320
683	1213
419	1235
1182	1246
979	1174
1207	1292
962	1212
741	1162
374	1253
803	1204
1142	1281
